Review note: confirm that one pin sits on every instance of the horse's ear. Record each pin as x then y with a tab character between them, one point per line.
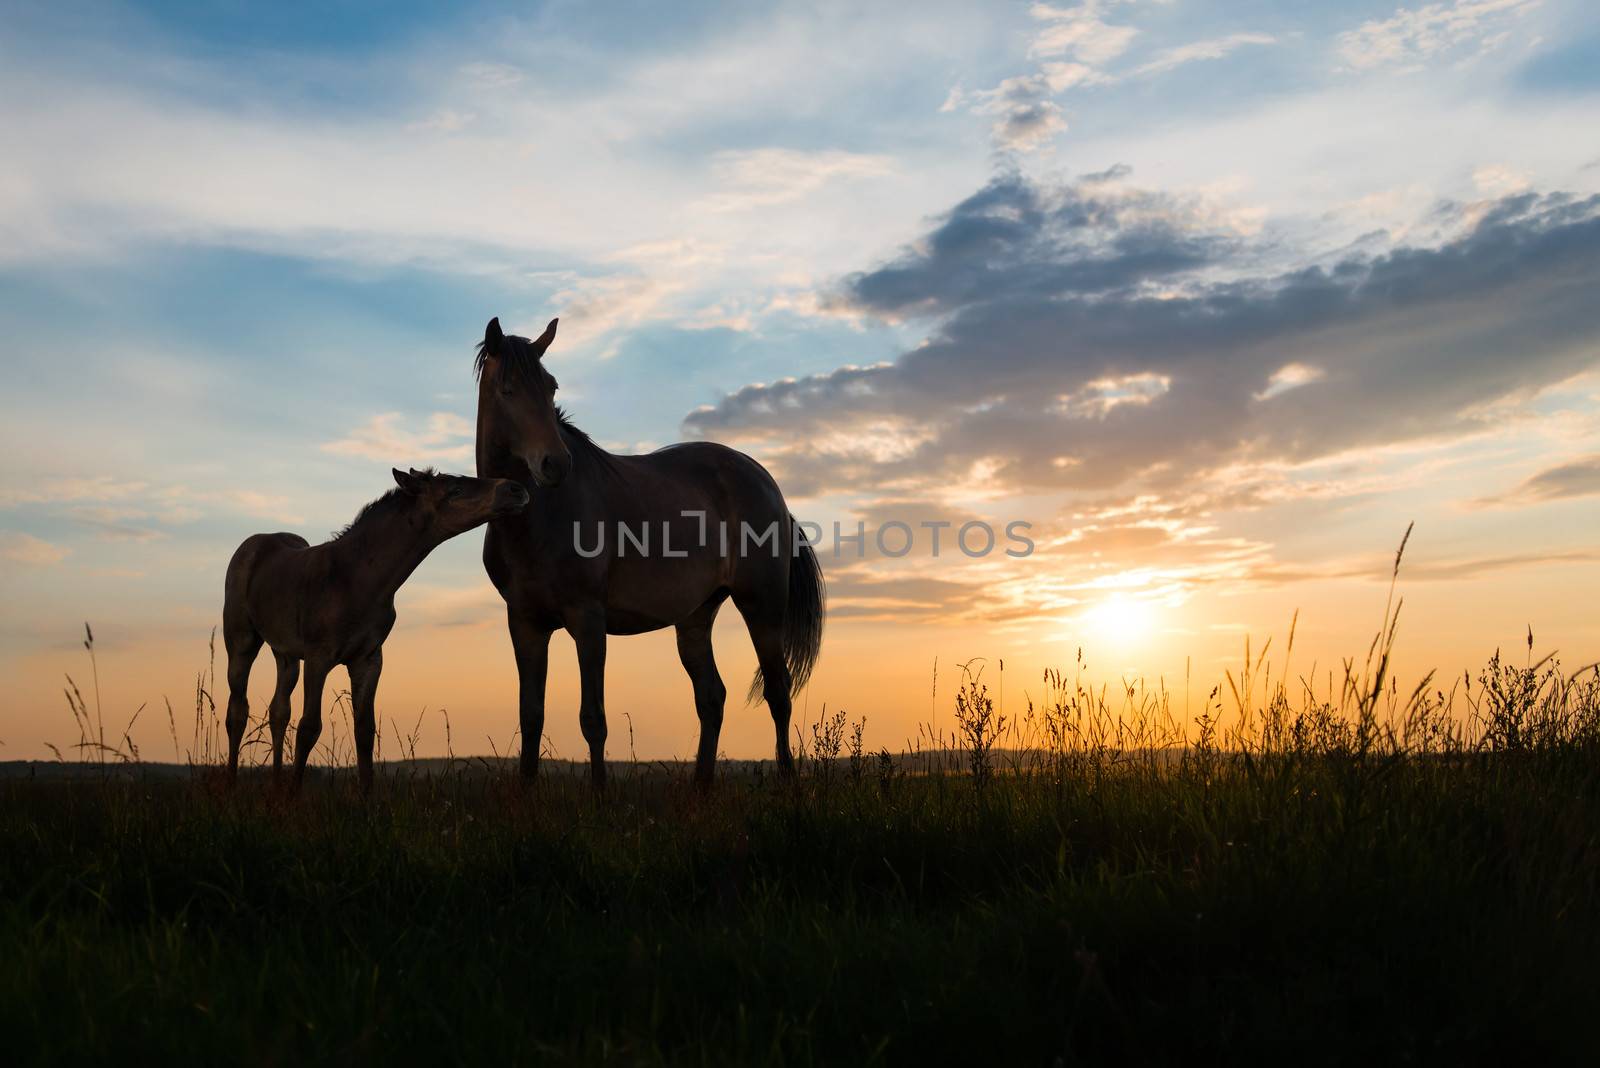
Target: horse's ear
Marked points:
542	342
493	336
408	483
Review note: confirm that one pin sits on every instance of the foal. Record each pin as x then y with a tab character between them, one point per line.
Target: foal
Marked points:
334	603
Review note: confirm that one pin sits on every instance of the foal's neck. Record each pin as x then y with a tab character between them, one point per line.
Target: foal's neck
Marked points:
377	555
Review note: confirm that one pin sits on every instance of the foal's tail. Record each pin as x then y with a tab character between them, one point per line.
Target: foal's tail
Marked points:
802	618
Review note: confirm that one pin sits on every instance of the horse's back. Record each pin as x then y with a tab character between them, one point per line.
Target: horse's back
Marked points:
253	554
741	478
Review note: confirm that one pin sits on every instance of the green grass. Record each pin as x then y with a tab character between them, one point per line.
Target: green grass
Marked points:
1314	877
1318	905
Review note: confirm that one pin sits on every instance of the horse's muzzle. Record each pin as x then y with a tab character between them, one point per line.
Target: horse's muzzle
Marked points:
510	498
550	470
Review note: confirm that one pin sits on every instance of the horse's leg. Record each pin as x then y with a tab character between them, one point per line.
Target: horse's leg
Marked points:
531	644
310	729
363	694
765	622
278	711
588	629
694	649
243	645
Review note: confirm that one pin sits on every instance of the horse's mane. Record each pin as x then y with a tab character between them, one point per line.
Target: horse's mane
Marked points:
379	506
582	444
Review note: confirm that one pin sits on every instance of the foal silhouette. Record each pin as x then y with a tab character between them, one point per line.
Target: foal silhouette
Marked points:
334	603
691	504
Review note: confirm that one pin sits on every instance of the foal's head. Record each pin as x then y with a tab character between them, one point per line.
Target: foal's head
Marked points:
516	403
447	505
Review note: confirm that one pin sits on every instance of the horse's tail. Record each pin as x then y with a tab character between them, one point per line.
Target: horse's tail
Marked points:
802	618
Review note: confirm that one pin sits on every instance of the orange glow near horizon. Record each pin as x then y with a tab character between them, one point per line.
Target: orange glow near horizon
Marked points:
878	668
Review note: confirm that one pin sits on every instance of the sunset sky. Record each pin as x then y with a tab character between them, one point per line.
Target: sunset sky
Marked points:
1219	297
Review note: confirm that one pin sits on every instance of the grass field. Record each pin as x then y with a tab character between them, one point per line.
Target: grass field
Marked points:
1365	874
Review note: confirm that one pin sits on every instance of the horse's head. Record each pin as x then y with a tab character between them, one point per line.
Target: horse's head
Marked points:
516	403
453	504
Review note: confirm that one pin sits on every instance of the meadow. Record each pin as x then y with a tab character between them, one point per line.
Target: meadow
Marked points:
1406	875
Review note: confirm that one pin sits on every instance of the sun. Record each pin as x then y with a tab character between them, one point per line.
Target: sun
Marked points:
1120	619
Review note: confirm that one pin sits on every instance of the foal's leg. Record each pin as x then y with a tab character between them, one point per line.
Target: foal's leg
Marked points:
694	649
588	629
278	711
305	738
766	633
363	693
531	645
243	645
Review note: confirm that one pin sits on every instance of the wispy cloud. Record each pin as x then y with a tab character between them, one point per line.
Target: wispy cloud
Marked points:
1079	32
446	438
20	548
1074	48
762	177
1215	48
90	488
1289	376
1564	481
1411	36
445	120
493	76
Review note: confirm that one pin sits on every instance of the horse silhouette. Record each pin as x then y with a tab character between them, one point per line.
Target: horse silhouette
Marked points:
580	556
334	603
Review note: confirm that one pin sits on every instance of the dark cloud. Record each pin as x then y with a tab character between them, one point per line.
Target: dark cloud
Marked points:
1576	478
1019	241
1089	338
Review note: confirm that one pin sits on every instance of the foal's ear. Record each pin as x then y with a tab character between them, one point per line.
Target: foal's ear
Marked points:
408	483
493	336
542	342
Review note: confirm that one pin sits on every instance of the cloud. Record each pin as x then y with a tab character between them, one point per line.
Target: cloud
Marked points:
491	76
1061	76
1092	337
591	307
117	524
1215	48
1574	478
1019	239
1157	552
20	548
1025	117
447	438
763	177
262	505
1289	376
92	488
1413	35
445	120
1079	32
121	509
1479	567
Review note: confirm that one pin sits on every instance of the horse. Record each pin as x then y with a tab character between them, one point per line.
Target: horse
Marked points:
724	528
334	603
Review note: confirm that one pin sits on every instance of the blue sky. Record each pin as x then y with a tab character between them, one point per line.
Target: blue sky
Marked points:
245	251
